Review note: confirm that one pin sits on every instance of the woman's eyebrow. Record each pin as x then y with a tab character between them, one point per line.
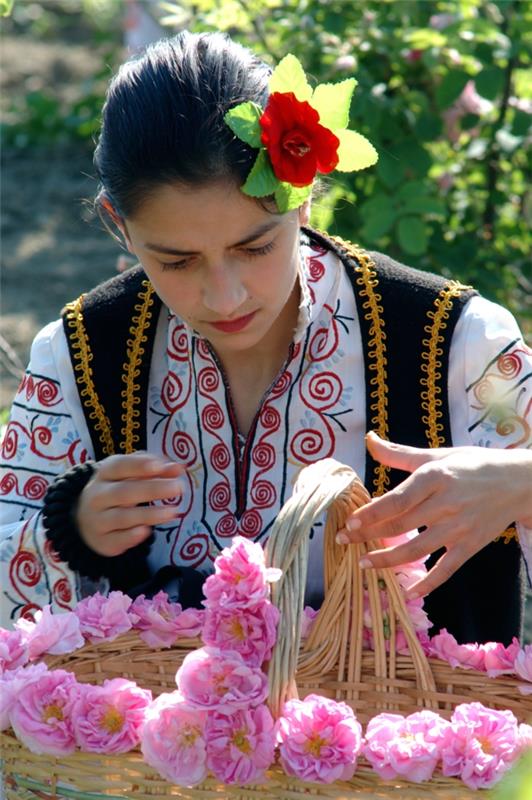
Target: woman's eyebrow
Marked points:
266	227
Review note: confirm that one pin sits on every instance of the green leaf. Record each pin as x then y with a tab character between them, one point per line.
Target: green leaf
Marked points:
288	197
354	152
261	180
469	121
6	7
422	205
423	38
428	126
289	76
389	170
413	189
489	82
451	87
332	100
244	122
412	236
379	215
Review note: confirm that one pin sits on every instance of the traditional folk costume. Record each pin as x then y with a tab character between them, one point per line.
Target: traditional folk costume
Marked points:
378	346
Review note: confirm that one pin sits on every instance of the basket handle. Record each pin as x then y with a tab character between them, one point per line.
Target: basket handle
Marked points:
335	643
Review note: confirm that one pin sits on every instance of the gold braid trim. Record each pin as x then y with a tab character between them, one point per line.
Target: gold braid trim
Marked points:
509	534
367	281
430	401
82	358
135	351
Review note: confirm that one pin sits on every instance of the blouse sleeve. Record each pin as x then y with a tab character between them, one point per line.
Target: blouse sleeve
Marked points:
41	441
490	386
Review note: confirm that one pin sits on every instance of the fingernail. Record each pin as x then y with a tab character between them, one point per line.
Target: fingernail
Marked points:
364	563
341	538
353	524
413	595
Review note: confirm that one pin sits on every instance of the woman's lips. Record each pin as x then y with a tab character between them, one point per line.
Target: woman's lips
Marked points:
234	325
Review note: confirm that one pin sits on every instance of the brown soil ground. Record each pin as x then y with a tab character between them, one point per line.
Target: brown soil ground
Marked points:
51	249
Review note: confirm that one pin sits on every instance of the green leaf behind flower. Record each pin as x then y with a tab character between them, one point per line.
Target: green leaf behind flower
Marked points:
289	76
288	197
244	122
261	180
354	152
332	102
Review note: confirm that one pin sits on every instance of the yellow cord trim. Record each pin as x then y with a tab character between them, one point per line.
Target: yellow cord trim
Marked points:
507	535
368	281
430	400
135	351
83	372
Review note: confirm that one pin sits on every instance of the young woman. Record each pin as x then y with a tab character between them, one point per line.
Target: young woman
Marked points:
173	407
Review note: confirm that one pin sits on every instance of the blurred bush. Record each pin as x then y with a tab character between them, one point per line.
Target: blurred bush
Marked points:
444	93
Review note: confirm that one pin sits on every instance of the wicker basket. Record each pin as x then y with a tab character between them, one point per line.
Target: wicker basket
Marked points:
330	662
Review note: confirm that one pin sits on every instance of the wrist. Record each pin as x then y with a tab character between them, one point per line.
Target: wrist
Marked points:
60	523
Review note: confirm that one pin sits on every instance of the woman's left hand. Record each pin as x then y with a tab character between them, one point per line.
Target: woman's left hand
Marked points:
465	496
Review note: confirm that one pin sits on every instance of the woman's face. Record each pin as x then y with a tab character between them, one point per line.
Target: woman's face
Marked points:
220	262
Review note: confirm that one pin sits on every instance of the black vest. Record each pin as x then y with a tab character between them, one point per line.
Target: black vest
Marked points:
407	318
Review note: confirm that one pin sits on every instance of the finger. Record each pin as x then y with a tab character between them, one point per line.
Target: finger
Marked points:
133	465
132	492
117	542
401	456
446	566
122	519
406	553
442	535
398	503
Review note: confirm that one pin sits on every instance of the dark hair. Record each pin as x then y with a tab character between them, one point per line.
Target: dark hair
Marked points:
163	118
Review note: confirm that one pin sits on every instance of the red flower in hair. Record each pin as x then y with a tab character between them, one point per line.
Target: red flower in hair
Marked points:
297	144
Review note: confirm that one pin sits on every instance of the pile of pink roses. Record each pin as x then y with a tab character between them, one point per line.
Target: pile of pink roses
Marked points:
216	720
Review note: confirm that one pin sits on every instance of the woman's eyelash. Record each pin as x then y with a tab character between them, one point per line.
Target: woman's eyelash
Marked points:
249	251
174	264
259	251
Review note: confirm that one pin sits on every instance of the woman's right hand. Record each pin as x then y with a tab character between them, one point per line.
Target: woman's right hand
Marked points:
110	514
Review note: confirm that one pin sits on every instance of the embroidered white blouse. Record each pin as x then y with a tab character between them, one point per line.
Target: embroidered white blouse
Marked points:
234	485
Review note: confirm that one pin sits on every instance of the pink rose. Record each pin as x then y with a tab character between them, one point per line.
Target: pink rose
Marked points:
468	656
108	718
319	739
162	623
41	715
480	744
241	577
307	621
212	680
103	617
11	682
250	631
240	746
498	659
172	740
14	650
51	633
405	747
523	668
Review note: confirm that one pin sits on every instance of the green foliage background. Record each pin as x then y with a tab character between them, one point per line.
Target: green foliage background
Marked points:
451	190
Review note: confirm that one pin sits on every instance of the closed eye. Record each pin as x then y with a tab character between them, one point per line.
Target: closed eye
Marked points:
176	265
259	251
249	252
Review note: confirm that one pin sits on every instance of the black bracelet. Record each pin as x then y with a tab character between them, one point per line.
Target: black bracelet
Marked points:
62	532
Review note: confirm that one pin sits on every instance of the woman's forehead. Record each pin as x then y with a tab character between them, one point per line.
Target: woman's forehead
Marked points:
184	218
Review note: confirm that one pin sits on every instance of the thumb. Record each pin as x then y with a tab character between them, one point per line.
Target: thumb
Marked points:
401	456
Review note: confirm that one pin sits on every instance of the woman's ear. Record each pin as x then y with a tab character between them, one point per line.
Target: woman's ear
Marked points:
112	219
304	212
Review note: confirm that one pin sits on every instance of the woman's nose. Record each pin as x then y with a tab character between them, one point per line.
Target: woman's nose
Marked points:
223	291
